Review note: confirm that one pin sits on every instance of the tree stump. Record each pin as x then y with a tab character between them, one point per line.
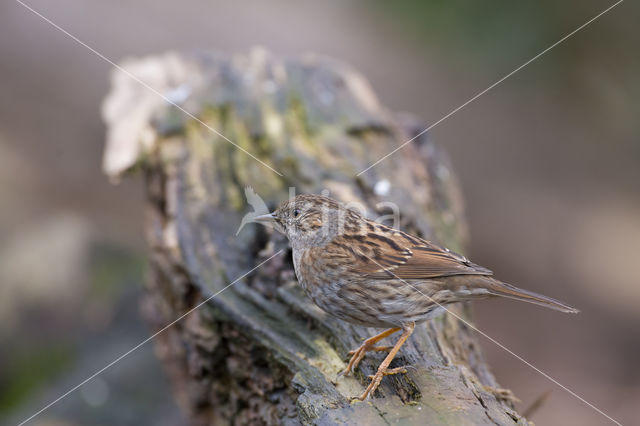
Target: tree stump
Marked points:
260	352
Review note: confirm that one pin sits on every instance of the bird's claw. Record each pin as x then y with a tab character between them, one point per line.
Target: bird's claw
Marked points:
342	373
398	370
372	349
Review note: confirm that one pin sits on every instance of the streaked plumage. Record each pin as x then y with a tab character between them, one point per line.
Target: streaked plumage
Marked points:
369	274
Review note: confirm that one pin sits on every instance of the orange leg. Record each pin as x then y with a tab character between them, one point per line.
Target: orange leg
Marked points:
384	370
368	345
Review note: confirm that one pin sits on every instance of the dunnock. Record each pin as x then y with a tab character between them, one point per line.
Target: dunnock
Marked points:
370	274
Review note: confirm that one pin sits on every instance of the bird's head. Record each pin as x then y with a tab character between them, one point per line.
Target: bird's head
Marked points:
311	220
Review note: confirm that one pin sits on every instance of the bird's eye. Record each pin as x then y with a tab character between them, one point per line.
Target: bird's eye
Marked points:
296	213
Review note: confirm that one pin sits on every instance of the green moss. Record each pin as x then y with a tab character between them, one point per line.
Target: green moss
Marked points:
296	116
231	162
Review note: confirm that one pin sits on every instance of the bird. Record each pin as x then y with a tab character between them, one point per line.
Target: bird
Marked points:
370	274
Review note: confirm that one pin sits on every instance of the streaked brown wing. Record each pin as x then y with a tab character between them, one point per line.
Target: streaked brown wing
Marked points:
394	254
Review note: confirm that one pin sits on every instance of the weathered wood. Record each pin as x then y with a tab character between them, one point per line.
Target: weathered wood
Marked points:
260	351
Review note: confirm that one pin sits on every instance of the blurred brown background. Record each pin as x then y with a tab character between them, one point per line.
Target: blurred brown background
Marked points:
549	162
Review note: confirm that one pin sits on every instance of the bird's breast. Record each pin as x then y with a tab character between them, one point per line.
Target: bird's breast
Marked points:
317	277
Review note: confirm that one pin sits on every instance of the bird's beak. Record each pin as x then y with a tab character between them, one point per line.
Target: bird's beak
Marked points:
265	218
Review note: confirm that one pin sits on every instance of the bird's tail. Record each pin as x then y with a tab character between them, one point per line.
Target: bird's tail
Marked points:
498	288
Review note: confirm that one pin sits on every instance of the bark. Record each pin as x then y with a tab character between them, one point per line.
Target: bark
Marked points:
260	352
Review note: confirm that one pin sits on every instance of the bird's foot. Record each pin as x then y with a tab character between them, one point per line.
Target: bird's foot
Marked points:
372	349
383	369
376	379
389	372
356	357
358	354
368	345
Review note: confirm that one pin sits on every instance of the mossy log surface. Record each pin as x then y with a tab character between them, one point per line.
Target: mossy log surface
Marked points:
260	352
